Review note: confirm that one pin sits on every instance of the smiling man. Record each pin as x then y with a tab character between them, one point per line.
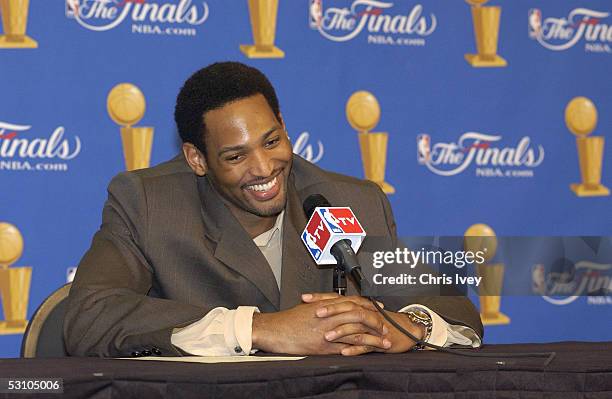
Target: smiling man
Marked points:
248	162
202	254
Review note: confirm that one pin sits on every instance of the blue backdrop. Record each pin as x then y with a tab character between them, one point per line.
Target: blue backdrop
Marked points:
408	54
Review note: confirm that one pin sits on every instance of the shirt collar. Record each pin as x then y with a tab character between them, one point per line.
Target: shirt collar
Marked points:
263	240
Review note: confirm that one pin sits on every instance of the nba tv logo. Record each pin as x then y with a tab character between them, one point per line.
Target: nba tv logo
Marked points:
327	226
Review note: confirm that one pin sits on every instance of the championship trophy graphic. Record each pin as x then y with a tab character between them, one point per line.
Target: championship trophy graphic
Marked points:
14	281
486	31
263	24
480	237
581	119
363	113
14	23
126	106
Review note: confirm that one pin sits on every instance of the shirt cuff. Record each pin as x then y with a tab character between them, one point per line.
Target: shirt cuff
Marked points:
221	332
445	334
239	330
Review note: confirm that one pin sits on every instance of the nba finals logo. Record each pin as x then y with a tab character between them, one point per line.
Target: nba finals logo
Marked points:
14	23
306	150
383	22
486	31
19	151
484	151
126	107
263	24
149	17
562	33
14	281
565	281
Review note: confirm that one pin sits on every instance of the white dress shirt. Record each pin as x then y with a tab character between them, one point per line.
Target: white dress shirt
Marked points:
226	332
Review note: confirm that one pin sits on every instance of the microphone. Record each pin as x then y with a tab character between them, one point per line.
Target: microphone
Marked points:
333	235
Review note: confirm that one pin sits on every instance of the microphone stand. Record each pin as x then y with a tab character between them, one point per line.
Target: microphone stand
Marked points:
339	281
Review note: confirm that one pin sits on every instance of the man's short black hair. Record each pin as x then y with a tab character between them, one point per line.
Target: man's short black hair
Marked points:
213	87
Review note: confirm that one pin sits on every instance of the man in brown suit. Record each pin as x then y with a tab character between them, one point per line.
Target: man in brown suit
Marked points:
202	254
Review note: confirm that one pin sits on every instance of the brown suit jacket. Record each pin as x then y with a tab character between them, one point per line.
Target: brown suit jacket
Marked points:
169	251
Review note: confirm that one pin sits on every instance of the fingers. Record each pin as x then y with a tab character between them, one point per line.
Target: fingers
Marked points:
344	330
359	315
332	297
355	334
334	349
335	308
331	307
315	297
357	350
354	313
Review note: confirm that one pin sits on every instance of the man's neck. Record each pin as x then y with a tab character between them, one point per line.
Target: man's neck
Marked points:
253	224
256	225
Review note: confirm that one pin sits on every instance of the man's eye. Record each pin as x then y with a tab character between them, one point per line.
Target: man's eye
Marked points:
272	142
234	158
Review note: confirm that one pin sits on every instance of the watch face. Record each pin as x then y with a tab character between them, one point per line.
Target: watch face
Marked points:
421	315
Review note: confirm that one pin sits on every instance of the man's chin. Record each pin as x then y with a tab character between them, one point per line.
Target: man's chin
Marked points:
271	207
273	210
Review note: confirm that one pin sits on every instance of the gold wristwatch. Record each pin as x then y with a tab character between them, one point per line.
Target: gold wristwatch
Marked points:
421	317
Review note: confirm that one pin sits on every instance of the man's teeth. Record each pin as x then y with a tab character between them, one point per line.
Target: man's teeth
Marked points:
263	187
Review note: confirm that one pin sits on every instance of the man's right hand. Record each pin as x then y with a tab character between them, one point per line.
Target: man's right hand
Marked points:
300	331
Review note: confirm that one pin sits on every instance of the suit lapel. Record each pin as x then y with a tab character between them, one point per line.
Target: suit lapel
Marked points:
234	247
299	274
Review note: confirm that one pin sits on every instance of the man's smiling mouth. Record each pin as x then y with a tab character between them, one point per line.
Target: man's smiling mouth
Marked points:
263	187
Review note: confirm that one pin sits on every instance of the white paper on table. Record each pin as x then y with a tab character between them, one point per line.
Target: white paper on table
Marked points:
216	359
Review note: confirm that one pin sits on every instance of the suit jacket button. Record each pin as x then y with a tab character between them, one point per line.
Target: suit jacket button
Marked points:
156	351
238	349
146	352
136	354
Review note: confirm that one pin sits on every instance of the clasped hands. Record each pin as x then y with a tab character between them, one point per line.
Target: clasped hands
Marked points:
327	323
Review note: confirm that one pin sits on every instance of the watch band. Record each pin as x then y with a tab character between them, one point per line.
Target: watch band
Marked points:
421	317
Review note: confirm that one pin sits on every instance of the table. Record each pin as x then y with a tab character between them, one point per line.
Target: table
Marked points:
579	370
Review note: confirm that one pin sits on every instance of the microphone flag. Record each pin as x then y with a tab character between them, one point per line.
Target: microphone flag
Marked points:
328	225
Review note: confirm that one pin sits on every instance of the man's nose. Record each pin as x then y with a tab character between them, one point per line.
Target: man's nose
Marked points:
261	165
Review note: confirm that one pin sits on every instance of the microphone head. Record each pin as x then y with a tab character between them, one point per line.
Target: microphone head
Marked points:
312	202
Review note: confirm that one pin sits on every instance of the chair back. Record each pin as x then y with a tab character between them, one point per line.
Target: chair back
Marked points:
44	336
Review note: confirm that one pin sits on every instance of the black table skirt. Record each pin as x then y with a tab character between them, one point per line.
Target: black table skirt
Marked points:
579	370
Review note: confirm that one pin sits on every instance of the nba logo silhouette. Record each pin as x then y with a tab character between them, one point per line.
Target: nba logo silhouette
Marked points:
70	272
316	235
423	148
312	246
332	222
315	12
535	23
72	7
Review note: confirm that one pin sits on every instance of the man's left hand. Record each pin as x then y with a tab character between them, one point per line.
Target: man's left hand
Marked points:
336	304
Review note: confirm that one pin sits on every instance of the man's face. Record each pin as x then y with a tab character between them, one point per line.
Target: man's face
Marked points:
248	157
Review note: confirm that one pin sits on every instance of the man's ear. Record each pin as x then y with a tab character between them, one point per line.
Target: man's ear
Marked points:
195	159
